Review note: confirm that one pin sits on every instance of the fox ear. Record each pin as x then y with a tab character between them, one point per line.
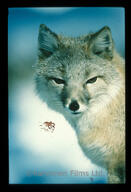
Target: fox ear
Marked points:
47	41
101	43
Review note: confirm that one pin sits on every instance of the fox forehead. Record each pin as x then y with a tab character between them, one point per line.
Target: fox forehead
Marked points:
74	55
73	62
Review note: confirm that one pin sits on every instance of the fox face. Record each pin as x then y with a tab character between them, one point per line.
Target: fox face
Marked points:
75	74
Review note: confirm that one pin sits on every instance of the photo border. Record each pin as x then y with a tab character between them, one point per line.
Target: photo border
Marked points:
4	70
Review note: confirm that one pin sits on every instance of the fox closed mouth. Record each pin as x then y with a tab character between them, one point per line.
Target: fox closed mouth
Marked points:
75	113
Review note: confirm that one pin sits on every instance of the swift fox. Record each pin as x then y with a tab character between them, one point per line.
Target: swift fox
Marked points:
83	79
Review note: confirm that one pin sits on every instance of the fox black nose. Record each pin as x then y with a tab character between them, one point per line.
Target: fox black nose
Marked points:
74	106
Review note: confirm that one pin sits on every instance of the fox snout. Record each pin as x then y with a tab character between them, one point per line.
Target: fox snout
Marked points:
73	100
74	106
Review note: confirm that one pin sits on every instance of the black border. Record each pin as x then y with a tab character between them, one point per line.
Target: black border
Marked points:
71	3
4	74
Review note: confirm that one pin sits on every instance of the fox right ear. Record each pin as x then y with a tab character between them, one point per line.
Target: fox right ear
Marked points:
101	43
47	41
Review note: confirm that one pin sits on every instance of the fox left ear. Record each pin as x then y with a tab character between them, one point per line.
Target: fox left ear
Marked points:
47	41
101	43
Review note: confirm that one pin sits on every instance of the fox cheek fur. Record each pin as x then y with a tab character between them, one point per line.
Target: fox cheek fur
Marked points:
84	79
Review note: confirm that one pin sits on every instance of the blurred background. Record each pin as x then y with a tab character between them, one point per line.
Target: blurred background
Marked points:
34	153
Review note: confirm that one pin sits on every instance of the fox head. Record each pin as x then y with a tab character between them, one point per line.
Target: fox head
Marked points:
75	74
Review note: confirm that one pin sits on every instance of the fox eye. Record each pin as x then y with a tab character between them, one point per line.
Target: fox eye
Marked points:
58	81
92	80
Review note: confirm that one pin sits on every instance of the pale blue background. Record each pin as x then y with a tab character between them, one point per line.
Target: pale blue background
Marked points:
30	149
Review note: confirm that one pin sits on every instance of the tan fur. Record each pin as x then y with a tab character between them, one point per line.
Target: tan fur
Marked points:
109	129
